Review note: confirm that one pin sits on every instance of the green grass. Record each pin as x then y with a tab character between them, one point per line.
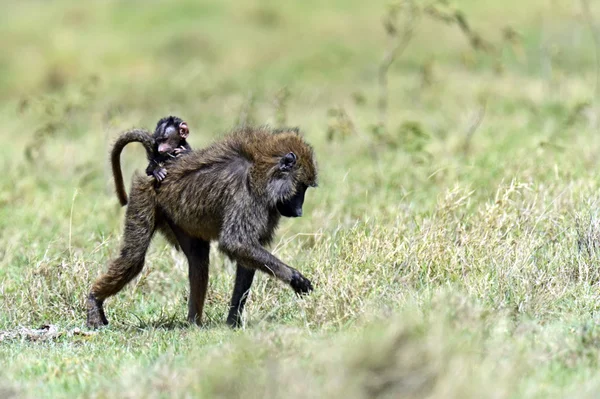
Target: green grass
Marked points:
438	271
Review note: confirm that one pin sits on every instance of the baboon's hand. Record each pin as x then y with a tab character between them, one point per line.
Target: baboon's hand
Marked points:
300	284
180	150
159	174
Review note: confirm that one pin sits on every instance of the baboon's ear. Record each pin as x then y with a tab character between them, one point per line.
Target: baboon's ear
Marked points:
287	162
184	131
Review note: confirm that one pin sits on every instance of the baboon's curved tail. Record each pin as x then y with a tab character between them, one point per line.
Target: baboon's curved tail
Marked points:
135	135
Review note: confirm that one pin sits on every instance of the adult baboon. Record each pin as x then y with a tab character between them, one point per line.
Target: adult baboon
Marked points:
233	192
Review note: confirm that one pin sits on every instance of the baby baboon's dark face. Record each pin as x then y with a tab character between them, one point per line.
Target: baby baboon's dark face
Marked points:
170	134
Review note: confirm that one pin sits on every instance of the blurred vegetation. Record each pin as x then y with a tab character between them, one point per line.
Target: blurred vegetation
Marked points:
454	247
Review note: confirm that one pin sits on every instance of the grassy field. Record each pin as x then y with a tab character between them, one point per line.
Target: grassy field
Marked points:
454	253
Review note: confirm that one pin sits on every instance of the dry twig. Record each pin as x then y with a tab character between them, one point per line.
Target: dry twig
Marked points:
400	41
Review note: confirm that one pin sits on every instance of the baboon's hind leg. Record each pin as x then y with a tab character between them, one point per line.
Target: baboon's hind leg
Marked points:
243	281
197	252
140	222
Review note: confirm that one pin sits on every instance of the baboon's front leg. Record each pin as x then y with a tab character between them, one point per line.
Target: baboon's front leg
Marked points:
140	222
243	281
256	257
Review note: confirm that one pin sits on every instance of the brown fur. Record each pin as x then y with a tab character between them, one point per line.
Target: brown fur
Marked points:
233	192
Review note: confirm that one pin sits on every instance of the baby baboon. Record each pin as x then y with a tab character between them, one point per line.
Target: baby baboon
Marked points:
233	192
167	142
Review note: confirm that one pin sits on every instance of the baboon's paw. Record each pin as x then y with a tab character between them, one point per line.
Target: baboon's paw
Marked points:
95	321
95	313
234	321
194	320
300	284
160	174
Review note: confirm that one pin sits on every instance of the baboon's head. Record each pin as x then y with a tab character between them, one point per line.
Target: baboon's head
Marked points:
287	167
170	132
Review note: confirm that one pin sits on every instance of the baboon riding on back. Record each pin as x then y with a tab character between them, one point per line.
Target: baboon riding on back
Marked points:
233	192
